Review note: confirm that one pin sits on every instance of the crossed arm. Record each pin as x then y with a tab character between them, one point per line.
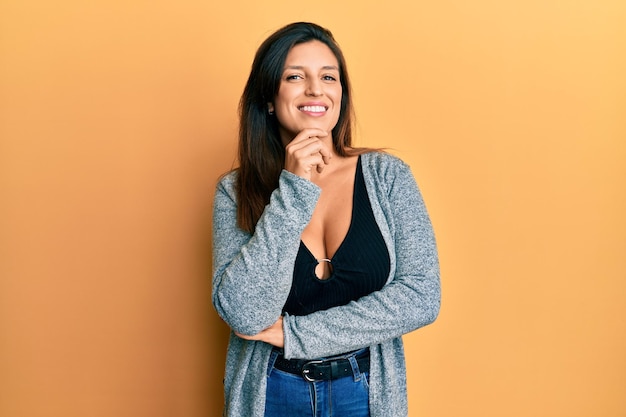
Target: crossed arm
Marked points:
253	274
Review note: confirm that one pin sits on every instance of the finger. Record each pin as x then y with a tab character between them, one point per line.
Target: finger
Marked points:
246	337
308	134
311	147
306	152
326	155
311	132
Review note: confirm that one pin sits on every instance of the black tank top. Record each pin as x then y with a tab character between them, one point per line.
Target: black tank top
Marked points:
360	264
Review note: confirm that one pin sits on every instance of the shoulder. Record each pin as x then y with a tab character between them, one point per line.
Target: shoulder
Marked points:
383	165
389	176
227	183
228	178
382	160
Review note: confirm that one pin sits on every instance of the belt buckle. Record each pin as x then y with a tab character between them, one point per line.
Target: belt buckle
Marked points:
305	370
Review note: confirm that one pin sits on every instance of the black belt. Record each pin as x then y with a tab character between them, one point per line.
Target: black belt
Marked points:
323	370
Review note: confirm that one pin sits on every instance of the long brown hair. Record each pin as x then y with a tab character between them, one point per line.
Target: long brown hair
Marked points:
261	151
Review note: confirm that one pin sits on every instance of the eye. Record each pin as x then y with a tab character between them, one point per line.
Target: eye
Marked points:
329	78
293	77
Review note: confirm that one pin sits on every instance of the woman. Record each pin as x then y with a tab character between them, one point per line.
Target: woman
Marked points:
324	255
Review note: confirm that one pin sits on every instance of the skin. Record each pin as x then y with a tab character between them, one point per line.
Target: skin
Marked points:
307	107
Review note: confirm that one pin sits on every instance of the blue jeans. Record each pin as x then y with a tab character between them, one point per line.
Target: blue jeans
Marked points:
290	395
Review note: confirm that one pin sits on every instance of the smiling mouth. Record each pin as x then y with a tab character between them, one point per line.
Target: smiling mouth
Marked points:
313	109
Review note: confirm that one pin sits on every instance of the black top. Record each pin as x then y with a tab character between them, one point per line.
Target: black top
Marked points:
359	267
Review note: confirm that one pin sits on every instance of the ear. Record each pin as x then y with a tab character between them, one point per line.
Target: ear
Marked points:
270	108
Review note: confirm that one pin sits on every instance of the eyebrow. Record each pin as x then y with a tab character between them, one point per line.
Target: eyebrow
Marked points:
325	67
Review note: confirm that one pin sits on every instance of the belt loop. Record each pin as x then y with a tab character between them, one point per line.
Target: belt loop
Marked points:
334	369
355	368
270	363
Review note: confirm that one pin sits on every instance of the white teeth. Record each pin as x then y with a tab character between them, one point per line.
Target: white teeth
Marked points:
313	109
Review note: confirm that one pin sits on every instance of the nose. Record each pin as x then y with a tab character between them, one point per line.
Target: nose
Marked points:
314	88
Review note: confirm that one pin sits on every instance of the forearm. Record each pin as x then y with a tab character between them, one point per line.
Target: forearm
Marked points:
253	274
397	309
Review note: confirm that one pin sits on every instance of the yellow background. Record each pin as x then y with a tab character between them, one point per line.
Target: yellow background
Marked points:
116	117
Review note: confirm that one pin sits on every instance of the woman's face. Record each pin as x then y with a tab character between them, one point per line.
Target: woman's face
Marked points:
309	95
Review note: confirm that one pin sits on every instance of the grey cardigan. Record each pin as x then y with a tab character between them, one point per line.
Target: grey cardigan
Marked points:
252	277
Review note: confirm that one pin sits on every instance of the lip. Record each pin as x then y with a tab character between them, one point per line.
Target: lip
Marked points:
313	108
